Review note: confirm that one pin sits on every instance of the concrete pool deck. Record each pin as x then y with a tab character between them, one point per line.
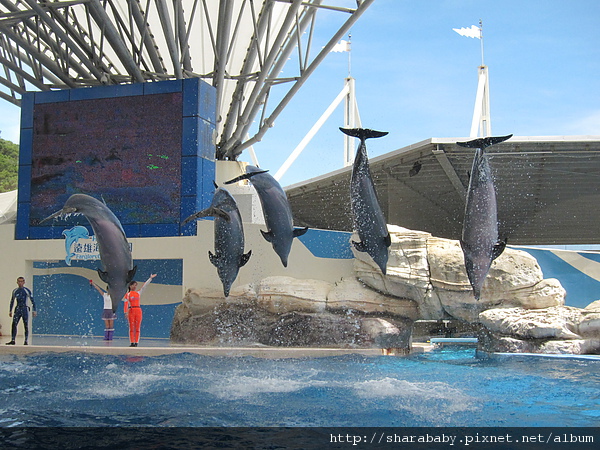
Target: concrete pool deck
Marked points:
157	347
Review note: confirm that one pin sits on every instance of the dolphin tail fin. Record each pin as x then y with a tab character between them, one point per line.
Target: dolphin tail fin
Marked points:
299	231
131	274
363	133
208	212
499	248
244	258
485	142
245	176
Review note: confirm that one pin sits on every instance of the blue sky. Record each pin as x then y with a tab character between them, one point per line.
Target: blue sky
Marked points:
416	78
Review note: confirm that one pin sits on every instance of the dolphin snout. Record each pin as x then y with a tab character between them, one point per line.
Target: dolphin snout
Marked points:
59	213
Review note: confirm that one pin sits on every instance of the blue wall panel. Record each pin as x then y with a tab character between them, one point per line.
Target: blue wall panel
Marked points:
67	305
328	244
581	289
27	102
200	100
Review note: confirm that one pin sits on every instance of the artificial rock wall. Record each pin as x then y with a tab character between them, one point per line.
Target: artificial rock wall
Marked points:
519	309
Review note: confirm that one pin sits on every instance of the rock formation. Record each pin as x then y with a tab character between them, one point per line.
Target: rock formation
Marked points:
519	310
431	271
558	329
284	311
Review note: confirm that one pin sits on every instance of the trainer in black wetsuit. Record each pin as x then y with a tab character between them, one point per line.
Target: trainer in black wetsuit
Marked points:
20	294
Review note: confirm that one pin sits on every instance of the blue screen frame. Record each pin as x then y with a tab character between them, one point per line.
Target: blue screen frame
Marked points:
194	152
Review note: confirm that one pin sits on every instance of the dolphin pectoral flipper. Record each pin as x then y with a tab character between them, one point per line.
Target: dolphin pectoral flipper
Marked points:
498	248
482	143
387	240
214	259
245	176
299	231
244	258
464	246
131	274
360	246
268	235
363	133
103	275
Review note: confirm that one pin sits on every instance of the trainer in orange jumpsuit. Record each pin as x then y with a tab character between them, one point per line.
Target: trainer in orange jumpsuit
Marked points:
133	310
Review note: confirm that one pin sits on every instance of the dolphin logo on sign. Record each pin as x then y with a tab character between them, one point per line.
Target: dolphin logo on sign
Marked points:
72	237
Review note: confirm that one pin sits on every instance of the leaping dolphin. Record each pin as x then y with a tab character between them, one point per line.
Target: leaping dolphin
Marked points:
229	253
276	209
479	242
117	264
369	221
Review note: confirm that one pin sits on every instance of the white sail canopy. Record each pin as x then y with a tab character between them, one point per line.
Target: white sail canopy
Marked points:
238	46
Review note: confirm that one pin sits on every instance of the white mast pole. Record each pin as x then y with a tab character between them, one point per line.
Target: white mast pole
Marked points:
351	114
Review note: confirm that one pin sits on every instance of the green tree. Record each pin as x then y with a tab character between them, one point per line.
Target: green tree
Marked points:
9	165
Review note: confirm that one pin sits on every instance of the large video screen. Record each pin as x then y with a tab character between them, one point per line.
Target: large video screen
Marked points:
108	148
145	150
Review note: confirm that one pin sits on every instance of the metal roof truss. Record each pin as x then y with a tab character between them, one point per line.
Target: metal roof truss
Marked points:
239	46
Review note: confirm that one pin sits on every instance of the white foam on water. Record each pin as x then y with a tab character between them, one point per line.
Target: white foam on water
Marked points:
19	389
18	367
114	382
243	386
425	399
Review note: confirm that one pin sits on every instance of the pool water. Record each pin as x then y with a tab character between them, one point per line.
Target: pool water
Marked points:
448	388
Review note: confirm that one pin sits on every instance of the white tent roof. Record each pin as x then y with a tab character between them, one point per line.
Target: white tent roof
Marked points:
238	46
8	206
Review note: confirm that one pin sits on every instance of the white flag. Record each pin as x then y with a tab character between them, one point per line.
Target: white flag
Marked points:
473	32
342	46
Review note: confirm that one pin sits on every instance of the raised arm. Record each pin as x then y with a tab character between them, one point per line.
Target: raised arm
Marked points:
148	281
95	286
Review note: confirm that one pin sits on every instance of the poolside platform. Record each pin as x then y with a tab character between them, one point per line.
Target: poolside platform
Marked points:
157	347
441	342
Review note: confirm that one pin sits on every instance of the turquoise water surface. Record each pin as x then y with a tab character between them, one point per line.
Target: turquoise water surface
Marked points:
443	388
